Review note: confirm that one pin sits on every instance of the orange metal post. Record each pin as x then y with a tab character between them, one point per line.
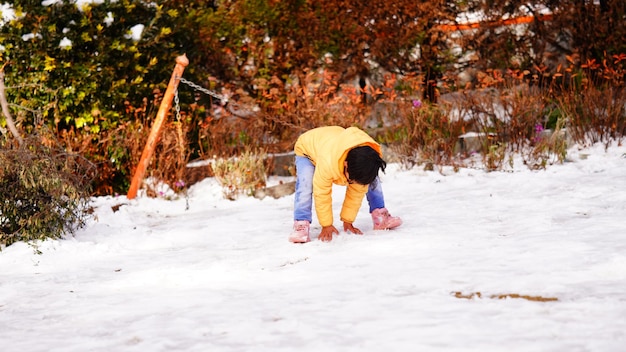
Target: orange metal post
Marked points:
499	23
164	108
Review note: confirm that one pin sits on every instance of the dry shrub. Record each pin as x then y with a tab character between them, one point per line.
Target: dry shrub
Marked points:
171	156
595	115
494	156
318	99
228	136
523	109
539	114
590	97
115	152
44	190
515	119
426	135
242	174
506	106
548	151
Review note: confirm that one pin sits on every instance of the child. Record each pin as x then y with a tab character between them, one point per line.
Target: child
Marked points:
334	155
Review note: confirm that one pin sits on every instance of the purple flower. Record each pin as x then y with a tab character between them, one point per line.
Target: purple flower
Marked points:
417	103
538	128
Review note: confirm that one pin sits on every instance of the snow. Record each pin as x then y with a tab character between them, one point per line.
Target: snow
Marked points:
109	19
81	4
30	36
135	32
7	14
149	275
65	43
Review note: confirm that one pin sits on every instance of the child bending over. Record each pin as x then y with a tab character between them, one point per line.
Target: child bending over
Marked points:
347	157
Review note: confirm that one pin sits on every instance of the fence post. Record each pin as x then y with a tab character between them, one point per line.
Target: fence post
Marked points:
164	108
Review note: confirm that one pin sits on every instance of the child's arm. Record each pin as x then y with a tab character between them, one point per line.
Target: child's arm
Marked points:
322	194
352	202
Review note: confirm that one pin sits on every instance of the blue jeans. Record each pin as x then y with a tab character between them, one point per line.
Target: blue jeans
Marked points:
303	199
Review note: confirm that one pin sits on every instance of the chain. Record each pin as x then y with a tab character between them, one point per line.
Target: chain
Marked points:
177	105
179	124
235	108
204	90
180	135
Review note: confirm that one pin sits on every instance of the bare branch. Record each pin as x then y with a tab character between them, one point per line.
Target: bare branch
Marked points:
5	109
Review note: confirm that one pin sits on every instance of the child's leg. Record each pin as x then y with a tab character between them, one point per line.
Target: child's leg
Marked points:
375	196
304	189
380	215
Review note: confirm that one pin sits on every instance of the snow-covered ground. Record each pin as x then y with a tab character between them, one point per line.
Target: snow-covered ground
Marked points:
221	276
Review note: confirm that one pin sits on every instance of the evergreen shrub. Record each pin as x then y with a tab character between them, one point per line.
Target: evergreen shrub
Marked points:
44	193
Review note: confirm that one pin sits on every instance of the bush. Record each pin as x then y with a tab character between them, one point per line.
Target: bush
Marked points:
83	68
241	175
43	192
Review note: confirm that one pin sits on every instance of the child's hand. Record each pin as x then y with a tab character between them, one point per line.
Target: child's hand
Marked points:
349	228
327	233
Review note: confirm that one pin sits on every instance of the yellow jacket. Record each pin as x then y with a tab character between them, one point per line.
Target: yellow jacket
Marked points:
327	148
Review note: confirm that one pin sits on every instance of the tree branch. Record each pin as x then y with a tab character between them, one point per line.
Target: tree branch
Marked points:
5	109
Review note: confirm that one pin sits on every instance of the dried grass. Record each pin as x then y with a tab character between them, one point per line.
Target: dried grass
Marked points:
478	295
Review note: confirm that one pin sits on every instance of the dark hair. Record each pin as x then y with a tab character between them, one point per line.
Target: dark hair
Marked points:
363	164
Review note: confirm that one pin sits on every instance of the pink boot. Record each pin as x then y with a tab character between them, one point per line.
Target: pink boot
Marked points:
300	232
383	220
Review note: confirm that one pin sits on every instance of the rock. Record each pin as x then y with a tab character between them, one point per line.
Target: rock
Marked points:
280	190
